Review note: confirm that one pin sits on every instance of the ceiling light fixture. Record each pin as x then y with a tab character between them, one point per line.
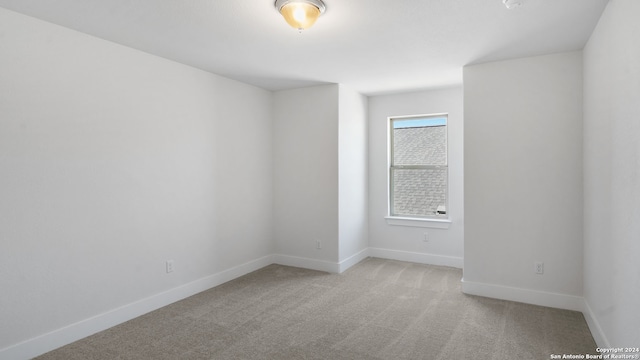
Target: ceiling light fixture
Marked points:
512	4
300	14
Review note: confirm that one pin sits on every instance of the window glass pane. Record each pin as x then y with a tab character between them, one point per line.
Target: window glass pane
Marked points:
419	192
421	145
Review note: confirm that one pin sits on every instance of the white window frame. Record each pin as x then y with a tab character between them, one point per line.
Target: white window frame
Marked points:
439	222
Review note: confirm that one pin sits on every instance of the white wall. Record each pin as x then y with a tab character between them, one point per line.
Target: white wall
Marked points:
111	162
305	138
353	174
612	175
523	179
445	246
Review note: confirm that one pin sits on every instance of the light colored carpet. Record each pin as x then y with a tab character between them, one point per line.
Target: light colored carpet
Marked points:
378	309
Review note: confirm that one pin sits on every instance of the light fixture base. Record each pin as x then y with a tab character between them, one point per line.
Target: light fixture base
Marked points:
512	4
317	3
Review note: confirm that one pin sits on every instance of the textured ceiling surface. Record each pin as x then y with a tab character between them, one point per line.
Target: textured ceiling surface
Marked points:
372	46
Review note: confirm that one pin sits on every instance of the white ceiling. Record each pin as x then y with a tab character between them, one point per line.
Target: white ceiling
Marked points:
372	46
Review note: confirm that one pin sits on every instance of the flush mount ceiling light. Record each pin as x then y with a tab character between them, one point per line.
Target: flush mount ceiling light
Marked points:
300	14
512	4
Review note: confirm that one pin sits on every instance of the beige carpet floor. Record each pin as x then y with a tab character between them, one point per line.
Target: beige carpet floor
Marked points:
378	309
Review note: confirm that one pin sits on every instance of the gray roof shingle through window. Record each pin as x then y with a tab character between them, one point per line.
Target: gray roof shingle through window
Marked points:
420	146
419	192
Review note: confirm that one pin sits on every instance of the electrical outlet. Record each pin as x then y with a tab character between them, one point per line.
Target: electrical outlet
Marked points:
318	244
425	237
169	266
539	268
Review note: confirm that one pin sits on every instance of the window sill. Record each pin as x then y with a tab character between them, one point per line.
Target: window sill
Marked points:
418	222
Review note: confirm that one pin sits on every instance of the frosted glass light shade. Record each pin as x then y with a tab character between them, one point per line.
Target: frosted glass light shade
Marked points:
300	14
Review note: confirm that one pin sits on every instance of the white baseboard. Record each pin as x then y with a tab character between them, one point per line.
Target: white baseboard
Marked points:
527	296
420	258
306	263
328	266
68	334
594	327
352	260
76	331
554	300
60	337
